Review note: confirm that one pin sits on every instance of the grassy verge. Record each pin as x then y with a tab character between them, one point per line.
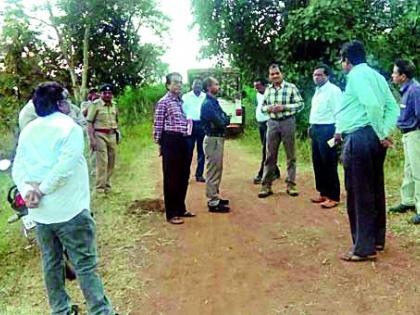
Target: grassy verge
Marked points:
21	286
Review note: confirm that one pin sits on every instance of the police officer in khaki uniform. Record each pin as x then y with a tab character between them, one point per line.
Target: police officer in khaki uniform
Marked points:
103	133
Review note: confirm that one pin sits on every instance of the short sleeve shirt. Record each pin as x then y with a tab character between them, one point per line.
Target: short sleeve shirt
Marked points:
102	116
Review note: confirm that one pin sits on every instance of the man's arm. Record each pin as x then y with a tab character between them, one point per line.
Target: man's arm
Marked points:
336	97
19	173
391	112
69	154
159	121
211	114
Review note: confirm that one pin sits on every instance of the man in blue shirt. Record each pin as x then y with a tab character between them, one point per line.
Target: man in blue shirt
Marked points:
365	118
192	109
214	121
409	124
51	173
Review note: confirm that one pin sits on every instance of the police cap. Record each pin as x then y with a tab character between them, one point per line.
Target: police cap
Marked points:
106	87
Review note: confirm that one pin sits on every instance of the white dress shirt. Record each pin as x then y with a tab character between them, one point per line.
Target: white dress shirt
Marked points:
325	102
259	114
50	152
192	105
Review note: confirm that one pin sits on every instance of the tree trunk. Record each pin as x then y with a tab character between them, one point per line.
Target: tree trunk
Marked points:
83	88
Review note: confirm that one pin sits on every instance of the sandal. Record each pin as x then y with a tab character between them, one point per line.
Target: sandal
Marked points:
350	257
176	220
188	214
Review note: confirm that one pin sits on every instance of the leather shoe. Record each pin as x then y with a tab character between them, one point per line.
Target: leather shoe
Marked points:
257	180
416	219
200	179
220	208
401	208
265	192
224	202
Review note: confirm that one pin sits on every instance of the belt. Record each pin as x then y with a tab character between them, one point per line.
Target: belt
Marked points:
282	118
219	135
106	131
404	131
173	133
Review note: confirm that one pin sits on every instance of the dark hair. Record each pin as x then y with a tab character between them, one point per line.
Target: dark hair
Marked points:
274	65
46	98
354	51
170	76
263	81
207	83
406	67
323	66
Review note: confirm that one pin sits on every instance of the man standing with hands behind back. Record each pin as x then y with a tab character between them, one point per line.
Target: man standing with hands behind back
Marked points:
365	119
214	121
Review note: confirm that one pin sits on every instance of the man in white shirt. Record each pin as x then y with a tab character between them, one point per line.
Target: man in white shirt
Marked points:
51	173
192	109
326	99
260	85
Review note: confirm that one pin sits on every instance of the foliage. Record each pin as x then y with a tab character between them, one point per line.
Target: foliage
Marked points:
136	104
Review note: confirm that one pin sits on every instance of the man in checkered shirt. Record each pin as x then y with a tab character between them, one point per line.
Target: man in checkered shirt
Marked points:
282	101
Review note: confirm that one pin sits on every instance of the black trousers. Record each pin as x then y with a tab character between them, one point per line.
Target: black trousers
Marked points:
363	160
176	173
325	162
262	128
197	136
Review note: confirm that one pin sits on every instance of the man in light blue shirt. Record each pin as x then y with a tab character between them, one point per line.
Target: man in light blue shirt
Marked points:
51	173
365	119
192	109
260	86
326	99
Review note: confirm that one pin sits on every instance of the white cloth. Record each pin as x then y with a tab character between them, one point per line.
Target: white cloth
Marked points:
192	105
259	114
50	152
325	102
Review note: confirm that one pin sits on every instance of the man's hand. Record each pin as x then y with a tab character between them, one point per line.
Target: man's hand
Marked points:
387	143
33	197
338	138
278	108
309	132
92	143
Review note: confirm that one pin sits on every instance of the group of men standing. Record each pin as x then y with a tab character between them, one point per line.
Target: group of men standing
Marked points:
179	123
361	118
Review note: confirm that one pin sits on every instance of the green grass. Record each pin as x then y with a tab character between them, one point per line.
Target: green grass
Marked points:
122	238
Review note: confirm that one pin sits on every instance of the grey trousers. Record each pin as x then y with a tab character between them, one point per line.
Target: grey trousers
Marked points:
213	150
278	131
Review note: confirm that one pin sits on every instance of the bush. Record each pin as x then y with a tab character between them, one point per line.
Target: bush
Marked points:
136	104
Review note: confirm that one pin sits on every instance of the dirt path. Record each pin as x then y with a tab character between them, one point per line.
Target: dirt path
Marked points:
271	256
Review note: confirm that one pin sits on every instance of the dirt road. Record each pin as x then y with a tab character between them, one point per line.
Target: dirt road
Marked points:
273	256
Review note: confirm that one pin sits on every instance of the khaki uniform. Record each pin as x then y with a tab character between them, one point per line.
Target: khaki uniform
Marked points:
104	119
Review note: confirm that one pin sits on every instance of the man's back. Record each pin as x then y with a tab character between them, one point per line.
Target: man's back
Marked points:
367	101
50	152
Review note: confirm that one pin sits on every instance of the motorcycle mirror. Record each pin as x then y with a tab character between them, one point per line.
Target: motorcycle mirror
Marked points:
4	165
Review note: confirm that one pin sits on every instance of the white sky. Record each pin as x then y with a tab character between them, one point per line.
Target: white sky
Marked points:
182	43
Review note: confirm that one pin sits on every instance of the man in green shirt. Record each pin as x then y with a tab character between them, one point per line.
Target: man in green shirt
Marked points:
365	118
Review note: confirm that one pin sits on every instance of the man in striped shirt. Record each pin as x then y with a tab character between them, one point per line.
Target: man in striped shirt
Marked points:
282	101
170	131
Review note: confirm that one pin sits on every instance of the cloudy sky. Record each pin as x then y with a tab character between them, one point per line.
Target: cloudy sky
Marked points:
183	45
